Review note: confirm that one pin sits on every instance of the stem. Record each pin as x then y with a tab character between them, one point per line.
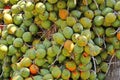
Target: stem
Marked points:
1	74
96	4
94	63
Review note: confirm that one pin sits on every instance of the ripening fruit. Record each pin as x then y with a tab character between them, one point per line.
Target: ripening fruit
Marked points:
69	45
82	40
40	7
34	69
56	72
85	74
63	13
65	74
70	65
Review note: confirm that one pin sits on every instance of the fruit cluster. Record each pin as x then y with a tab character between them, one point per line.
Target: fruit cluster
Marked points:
58	39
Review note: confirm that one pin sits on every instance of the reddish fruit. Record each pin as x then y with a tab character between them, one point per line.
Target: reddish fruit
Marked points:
34	69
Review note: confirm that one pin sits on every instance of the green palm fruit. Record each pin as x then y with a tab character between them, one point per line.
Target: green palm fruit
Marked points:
27	22
58	38
24	72
17	77
70	21
22	4
116	23
93	75
25	62
86	33
65	52
65	74
44	16
68	32
24	48
4	34
61	4
38	46
116	43
101	76
52	16
84	75
93	6
11	28
49	6
30	53
33	28
19	32
11	50
104	67
28	15
40	62
35	42
14	59
86	22
92	35
109	32
28	78
89	14
56	72
98	41
77	49
1	4
63	25
37	77
76	13
46	24
47	43
40	53
82	40
59	22
99	31
118	15
70	65
117	54
18	19
116	6
18	42
103	55
100	1
44	71
3	49
48	77
75	75
110	3
97	12
27	37
55	8
71	4
74	37
40	7
50	60
85	58
83	8
110	18
29	6
61	58
16	9
98	60
85	67
78	28
52	1
98	20
110	49
106	10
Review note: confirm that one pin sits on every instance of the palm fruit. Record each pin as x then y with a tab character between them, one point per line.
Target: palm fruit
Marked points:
35	42
4	34
44	72
11	28
1	4
97	12
28	78
52	1
110	49
107	10
17	77
44	16
100	1
98	20
110	18
38	46
25	72
89	14
70	21
69	45
86	22
48	77
99	41
65	74
7	18
116	6
74	37
40	7
75	75
25	62
110	3
93	75
49	6
40	62
101	76
65	52
52	16
18	42
116	23
67	32
117	54
28	15
71	4
76	13
82	40
58	38
109	32
37	77
104	67
40	53
33	28
15	9
77	28
61	4
11	50
19	32
17	19
103	55
85	58
50	60
10	39
98	60
3	50
70	65
61	58
30	53
14	59
24	48
27	37
47	43
27	22
99	31
84	75
83	8
93	6
50	52
56	72
46	24
29	6
86	33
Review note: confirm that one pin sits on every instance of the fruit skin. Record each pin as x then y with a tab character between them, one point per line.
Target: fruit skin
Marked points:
34	69
18	77
46	24
44	71
65	74
67	32
70	65
98	20
116	7
76	13
71	4
93	75
75	75
89	14
110	18
25	72
82	40
18	19
48	77
109	32
52	1
104	67
40	62
117	54
61	4
7	18
33	28
101	76
63	13
69	45
25	62
56	72
40	8
27	37
29	6
78	28
31	53
18	42
74	37
19	32
118	35
70	21
85	74
40	53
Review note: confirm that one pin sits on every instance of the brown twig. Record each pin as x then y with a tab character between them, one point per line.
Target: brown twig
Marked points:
96	4
94	63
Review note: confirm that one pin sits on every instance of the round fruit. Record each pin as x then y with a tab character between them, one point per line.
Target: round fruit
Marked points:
34	69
